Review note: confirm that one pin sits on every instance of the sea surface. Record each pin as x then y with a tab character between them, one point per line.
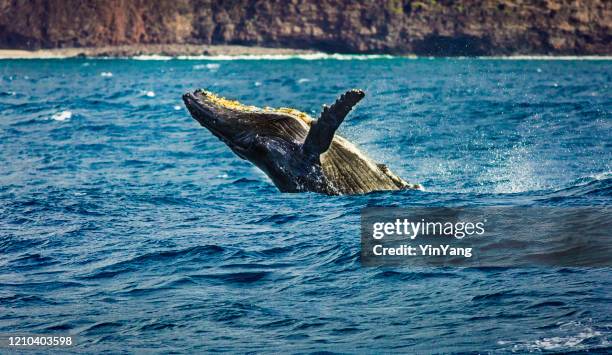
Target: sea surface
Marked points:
125	223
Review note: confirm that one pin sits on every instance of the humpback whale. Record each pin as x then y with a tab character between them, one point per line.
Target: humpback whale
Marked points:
297	152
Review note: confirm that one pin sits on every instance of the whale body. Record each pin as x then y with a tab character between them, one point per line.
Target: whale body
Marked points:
297	152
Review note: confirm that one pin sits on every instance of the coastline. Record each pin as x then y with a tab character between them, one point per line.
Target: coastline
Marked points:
166	50
230	52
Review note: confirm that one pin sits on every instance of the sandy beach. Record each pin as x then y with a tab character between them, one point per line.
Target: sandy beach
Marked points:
172	50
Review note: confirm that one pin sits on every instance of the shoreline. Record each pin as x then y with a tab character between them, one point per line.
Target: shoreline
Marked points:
229	52
163	50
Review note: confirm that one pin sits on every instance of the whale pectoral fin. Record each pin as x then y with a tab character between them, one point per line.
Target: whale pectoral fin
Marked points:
322	130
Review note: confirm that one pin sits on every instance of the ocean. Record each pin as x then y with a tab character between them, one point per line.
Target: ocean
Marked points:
126	224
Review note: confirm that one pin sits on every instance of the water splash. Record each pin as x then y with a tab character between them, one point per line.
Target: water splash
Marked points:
62	116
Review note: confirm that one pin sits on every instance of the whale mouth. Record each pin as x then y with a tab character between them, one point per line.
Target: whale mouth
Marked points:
200	111
217	118
204	112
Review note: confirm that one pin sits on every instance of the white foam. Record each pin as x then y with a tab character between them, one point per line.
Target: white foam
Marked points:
62	116
10	54
546	57
210	66
303	80
603	176
106	74
152	57
338	56
564	342
149	93
310	56
176	107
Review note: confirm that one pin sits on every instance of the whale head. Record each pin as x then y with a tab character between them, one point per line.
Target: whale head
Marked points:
269	138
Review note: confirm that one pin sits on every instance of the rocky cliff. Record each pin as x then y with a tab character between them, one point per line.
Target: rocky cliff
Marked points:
427	27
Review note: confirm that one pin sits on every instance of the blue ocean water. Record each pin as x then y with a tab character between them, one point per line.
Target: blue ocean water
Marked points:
124	222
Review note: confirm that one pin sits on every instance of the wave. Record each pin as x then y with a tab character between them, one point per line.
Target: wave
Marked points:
545	57
309	56
527	183
146	57
339	56
593	184
191	254
568	337
607	175
62	116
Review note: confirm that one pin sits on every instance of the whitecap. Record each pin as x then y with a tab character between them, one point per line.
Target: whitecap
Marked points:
210	66
548	57
152	57
602	176
176	107
149	93
309	56
566	342
303	80
62	116
257	83
574	336
106	74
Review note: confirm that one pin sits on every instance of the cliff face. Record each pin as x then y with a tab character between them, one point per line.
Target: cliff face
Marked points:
427	27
